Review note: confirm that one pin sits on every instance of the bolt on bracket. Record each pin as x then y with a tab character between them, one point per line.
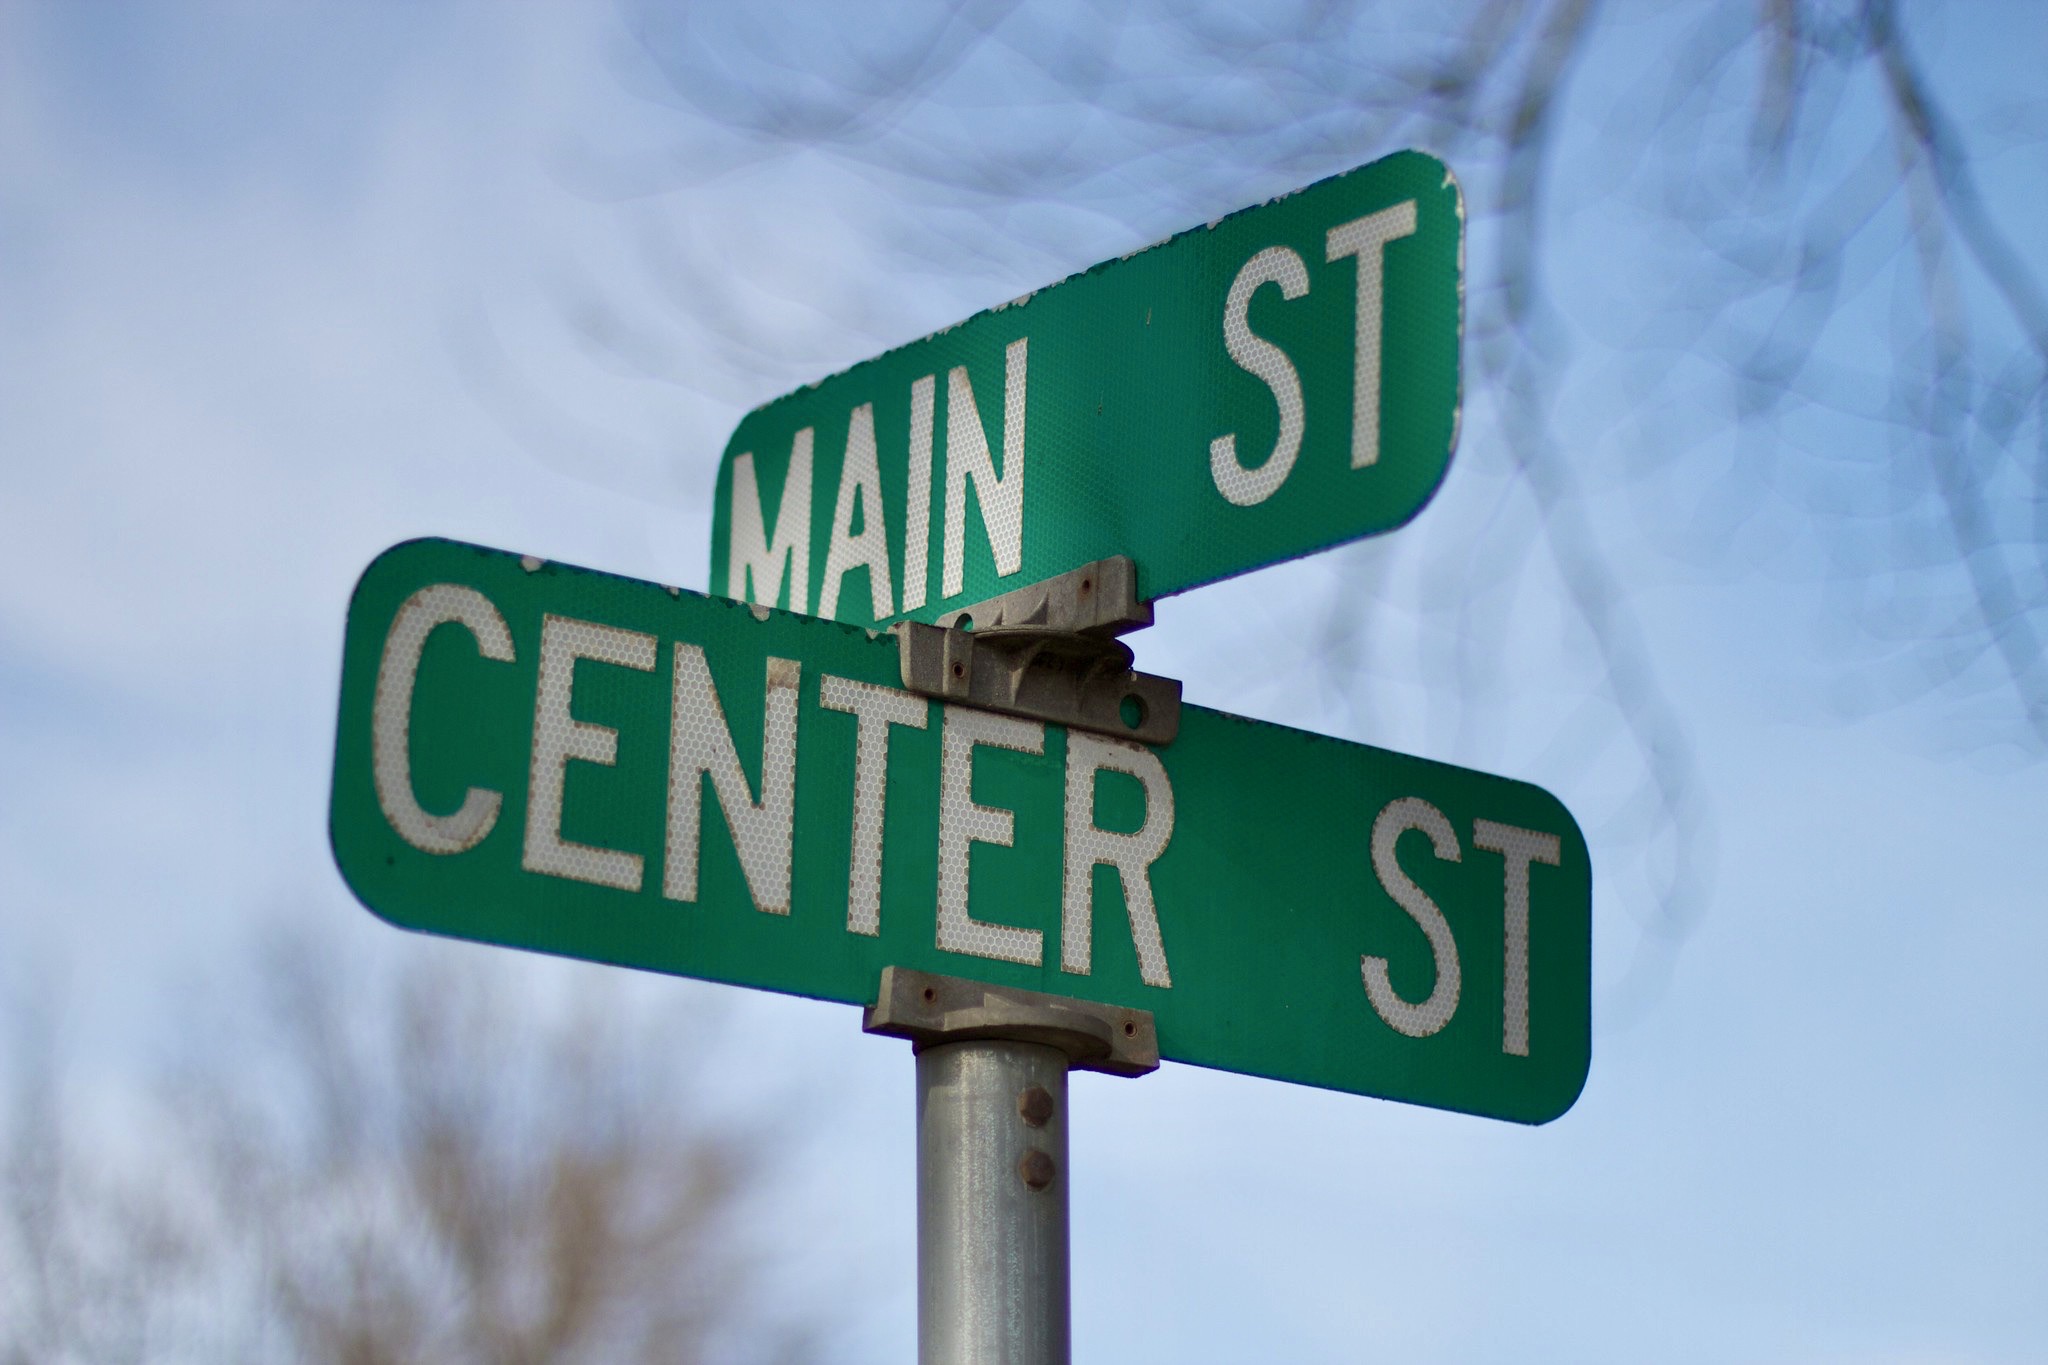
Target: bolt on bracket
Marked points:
1048	652
929	1010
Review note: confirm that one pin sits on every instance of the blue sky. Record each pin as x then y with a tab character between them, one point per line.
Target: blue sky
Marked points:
279	289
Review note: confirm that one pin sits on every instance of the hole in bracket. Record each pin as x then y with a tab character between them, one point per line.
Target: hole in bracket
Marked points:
1132	711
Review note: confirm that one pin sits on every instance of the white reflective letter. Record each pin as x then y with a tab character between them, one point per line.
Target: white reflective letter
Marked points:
1129	854
391	717
752	552
877	708
1367	238
859	479
559	737
1417	1021
1519	847
700	743
1244	487
967	456
917	515
962	823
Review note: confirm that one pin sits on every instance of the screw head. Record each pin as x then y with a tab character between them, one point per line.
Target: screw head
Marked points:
1036	1169
1034	1106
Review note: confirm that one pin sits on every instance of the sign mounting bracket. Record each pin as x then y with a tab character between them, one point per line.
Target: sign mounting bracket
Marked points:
1048	652
931	1010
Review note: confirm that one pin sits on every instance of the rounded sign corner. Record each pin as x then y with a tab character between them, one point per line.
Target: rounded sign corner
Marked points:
1571	1097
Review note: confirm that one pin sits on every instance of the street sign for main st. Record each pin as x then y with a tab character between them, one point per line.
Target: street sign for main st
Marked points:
1279	381
552	758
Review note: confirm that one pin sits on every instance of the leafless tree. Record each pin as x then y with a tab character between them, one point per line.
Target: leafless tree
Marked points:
432	1163
83	1247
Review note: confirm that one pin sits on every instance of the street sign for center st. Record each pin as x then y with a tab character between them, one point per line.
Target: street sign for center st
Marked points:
550	758
1279	381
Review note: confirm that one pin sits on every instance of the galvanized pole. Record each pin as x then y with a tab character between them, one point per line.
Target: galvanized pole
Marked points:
992	1204
992	1066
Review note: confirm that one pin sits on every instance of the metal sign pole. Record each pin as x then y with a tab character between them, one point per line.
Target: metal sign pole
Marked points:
992	1281
992	1204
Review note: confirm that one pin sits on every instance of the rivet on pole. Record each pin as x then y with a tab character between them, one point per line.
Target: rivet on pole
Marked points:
1036	1168
1034	1106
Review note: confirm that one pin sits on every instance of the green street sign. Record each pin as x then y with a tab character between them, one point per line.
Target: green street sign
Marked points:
1277	382
550	758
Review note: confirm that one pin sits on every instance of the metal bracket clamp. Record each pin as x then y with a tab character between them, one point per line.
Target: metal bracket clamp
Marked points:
929	1009
1098	599
1049	652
